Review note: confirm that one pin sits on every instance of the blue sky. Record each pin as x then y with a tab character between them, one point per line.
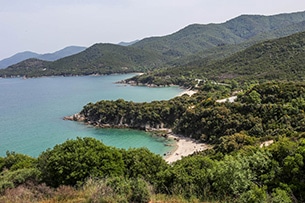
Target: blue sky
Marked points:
49	25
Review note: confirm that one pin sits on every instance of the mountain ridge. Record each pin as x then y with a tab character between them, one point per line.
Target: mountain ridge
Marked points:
281	59
194	42
21	56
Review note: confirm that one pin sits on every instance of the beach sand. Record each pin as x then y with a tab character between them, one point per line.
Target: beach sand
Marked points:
184	147
188	92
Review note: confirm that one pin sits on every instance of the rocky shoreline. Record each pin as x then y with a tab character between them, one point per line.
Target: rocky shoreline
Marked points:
146	127
183	146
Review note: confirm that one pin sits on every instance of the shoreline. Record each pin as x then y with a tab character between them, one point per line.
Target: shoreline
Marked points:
189	92
184	146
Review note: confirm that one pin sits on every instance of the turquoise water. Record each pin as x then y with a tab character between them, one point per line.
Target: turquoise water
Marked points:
31	112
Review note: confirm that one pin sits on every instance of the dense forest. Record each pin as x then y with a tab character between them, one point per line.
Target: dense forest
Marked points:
279	59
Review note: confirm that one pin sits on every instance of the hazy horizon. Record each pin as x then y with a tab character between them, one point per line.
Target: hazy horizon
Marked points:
46	27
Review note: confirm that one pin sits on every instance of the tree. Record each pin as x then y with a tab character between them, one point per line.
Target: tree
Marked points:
188	177
15	161
75	160
255	97
141	163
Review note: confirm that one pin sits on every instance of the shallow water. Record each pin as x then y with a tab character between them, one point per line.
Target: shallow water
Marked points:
31	112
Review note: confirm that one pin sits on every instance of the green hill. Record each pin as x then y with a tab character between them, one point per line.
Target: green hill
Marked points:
198	38
282	59
279	59
193	45
97	59
30	67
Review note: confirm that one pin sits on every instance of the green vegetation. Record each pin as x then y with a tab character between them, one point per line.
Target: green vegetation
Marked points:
249	174
193	39
269	109
98	59
236	169
59	166
193	47
280	59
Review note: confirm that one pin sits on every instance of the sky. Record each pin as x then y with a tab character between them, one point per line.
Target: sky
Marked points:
45	26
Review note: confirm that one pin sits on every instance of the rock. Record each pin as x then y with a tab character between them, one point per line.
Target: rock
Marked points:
75	117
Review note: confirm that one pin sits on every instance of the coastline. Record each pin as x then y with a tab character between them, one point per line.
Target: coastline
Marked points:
188	92
184	146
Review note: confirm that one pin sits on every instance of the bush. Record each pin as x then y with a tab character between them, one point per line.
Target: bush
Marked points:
15	161
11	179
140	191
141	163
117	190
73	161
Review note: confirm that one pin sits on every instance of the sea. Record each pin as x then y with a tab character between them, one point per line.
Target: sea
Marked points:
32	111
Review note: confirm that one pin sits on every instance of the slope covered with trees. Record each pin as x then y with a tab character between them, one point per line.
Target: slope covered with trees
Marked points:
266	110
193	44
19	57
197	38
98	59
279	59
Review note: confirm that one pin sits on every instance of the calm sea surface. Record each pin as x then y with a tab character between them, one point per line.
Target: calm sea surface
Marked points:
32	111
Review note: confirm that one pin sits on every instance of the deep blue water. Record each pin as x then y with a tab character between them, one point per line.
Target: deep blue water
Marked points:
32	111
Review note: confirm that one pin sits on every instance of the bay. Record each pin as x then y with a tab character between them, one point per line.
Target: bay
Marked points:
32	111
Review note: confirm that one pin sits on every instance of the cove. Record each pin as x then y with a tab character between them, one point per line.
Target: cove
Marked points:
32	111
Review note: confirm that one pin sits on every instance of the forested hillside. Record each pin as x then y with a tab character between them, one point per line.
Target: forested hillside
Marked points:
190	45
98	59
266	110
279	59
198	38
19	57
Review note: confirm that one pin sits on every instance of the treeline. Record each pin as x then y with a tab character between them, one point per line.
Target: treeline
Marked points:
120	113
266	110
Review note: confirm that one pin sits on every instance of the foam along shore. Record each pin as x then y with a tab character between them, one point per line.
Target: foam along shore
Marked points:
184	147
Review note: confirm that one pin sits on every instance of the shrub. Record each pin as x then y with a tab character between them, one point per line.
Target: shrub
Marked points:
73	161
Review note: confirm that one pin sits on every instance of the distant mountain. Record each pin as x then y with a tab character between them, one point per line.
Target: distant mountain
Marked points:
68	51
128	43
193	45
17	58
97	59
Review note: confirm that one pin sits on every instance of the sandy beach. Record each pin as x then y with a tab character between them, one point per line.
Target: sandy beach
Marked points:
188	92
184	147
